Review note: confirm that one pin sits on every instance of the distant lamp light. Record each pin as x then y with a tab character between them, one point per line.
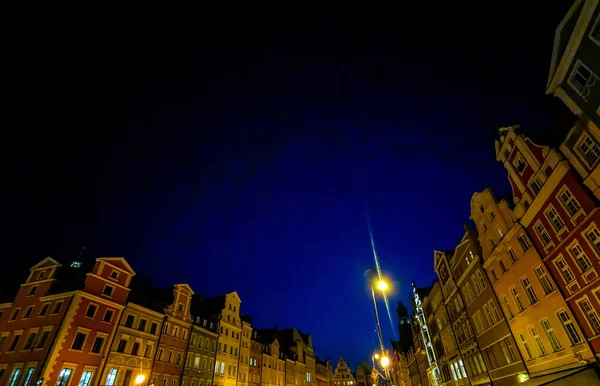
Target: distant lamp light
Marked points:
382	285
140	379
376	356
385	361
523	377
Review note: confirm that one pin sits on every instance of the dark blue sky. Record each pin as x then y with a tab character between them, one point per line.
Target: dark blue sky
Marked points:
239	155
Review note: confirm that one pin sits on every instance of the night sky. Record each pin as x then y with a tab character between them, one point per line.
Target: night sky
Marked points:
239	154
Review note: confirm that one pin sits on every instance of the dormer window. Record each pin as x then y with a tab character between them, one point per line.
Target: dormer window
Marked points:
114	275
180	307
41	275
108	290
481	208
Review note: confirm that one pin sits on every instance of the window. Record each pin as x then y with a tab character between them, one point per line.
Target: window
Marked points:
493	274
569	327
523	242
108	290
564	269
595	32
555	219
542	234
2	342
178	358
64	376
525	345
97	346
580	257
142	325
153	328
28	312
492	244
91	311
43	339
78	341
512	256
515	293
135	348
15	377
15	342
41	275
129	321
502	266
480	280
159	355
569	202
111	377
582	79
29	341
86	377
165	329
520	164
121	346
494	311
114	275
536	185
32	290
15	314
57	308
148	351
107	316
44	309
169	355
499	232
544	279
590	314
551	335
468	293
28	376
537	340
488	315
594	236
529	290
76	264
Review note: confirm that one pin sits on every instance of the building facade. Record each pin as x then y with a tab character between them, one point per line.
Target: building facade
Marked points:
574	78
342	375
324	372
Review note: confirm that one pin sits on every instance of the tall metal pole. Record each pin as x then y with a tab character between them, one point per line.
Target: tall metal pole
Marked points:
386	369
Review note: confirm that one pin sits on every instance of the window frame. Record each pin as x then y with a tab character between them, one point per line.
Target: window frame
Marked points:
584	92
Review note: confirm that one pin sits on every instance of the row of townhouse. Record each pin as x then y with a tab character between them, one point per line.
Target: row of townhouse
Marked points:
93	323
518	300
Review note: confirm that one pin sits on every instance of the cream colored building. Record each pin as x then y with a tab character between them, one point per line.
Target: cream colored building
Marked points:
243	373
227	309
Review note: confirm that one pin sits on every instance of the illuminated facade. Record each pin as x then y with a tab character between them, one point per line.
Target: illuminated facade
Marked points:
428	331
244	372
342	375
324	372
202	349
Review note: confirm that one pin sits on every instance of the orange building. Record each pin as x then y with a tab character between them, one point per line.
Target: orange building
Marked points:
58	327
551	229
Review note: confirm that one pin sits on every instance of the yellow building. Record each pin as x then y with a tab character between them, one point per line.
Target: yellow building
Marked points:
342	375
227	309
243	373
135	343
544	328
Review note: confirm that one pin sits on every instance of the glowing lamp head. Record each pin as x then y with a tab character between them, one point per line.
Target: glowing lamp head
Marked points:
382	285
376	356
385	361
140	379
523	378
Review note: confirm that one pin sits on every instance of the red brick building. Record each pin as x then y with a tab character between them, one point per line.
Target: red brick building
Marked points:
563	221
58	326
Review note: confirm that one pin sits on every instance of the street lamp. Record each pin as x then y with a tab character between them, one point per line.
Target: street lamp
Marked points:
385	361
140	379
382	285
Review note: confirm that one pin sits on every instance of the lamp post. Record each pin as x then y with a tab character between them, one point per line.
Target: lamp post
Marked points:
382	286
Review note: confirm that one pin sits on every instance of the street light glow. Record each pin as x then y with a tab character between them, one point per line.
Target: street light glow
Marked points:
376	356
382	285
140	379
385	361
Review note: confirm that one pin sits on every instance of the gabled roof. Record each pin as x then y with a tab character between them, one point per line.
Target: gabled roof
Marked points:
47	262
118	262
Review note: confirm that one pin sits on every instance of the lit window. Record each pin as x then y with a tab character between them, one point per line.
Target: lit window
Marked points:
15	376
536	185
28	376
519	164
86	378
594	236
65	375
588	149
111	377
76	264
